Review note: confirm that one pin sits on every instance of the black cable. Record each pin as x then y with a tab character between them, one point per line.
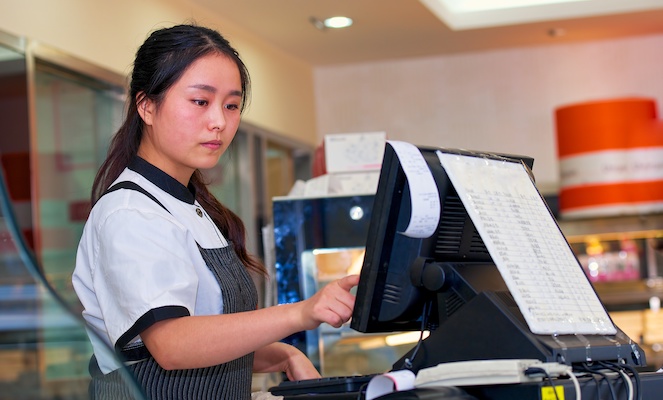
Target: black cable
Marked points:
596	381
362	388
620	368
361	394
605	377
536	370
611	388
636	378
616	368
597	385
424	321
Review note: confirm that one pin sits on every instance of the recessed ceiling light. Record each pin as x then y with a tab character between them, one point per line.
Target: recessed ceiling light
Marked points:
338	22
556	32
333	22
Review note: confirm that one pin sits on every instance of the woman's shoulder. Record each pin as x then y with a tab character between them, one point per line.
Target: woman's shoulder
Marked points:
130	194
123	211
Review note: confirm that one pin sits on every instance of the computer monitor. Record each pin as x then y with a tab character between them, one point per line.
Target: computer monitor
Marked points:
449	285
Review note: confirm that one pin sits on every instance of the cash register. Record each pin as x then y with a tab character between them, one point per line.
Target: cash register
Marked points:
462	246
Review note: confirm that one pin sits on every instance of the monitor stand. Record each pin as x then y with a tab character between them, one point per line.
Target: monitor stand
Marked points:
480	324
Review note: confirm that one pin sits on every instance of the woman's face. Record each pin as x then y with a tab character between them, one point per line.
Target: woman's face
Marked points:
197	119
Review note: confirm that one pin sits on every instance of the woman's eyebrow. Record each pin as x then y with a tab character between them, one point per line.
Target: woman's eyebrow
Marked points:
212	89
202	86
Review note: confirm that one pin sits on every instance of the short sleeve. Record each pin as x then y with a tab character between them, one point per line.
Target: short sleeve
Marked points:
143	266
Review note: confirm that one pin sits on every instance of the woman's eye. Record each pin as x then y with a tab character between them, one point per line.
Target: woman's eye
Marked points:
200	102
232	106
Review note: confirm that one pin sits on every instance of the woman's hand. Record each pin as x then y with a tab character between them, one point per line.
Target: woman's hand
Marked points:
332	304
281	357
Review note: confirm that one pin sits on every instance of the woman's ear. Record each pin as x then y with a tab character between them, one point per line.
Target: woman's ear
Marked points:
145	108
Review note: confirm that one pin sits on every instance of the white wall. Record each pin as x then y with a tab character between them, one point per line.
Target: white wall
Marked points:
108	33
497	101
494	101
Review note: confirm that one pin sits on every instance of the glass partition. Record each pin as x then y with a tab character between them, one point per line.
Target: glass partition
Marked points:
44	347
76	117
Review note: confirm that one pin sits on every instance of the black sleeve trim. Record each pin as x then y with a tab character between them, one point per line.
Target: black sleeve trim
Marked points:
148	319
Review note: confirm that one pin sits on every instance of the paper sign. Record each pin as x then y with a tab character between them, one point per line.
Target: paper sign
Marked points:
527	246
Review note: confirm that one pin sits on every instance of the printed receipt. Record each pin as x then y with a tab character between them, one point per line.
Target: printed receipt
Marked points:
423	191
528	248
394	381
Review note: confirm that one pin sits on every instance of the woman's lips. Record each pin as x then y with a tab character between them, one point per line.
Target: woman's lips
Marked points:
213	145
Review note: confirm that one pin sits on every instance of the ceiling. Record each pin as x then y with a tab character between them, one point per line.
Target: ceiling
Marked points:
395	29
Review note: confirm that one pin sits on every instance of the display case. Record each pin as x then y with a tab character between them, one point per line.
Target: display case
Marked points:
623	258
318	240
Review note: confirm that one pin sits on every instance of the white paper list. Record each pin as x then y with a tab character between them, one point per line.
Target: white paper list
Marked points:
527	246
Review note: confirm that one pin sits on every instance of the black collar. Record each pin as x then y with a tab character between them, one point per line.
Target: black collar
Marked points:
164	181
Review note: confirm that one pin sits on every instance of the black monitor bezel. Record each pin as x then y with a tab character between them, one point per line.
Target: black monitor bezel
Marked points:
387	213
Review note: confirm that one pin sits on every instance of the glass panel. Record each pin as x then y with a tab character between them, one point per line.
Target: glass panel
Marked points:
344	352
75	121
232	183
224	178
280	170
44	348
303	164
315	241
76	118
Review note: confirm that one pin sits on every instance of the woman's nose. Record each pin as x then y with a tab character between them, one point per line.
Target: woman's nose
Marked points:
217	119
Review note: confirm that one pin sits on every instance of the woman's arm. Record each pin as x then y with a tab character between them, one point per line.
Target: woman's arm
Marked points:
281	357
202	341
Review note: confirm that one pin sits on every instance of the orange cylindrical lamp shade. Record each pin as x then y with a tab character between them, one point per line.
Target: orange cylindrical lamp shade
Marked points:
608	152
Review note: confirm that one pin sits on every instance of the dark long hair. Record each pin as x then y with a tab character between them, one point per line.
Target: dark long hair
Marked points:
160	61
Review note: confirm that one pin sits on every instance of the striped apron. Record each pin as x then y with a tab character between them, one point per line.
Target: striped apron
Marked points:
228	381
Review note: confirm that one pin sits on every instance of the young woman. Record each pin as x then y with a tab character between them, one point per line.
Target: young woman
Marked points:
162	268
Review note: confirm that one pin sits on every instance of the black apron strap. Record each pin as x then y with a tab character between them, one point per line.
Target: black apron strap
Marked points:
136	187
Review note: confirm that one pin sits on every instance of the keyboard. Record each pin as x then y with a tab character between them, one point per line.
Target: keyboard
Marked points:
332	384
